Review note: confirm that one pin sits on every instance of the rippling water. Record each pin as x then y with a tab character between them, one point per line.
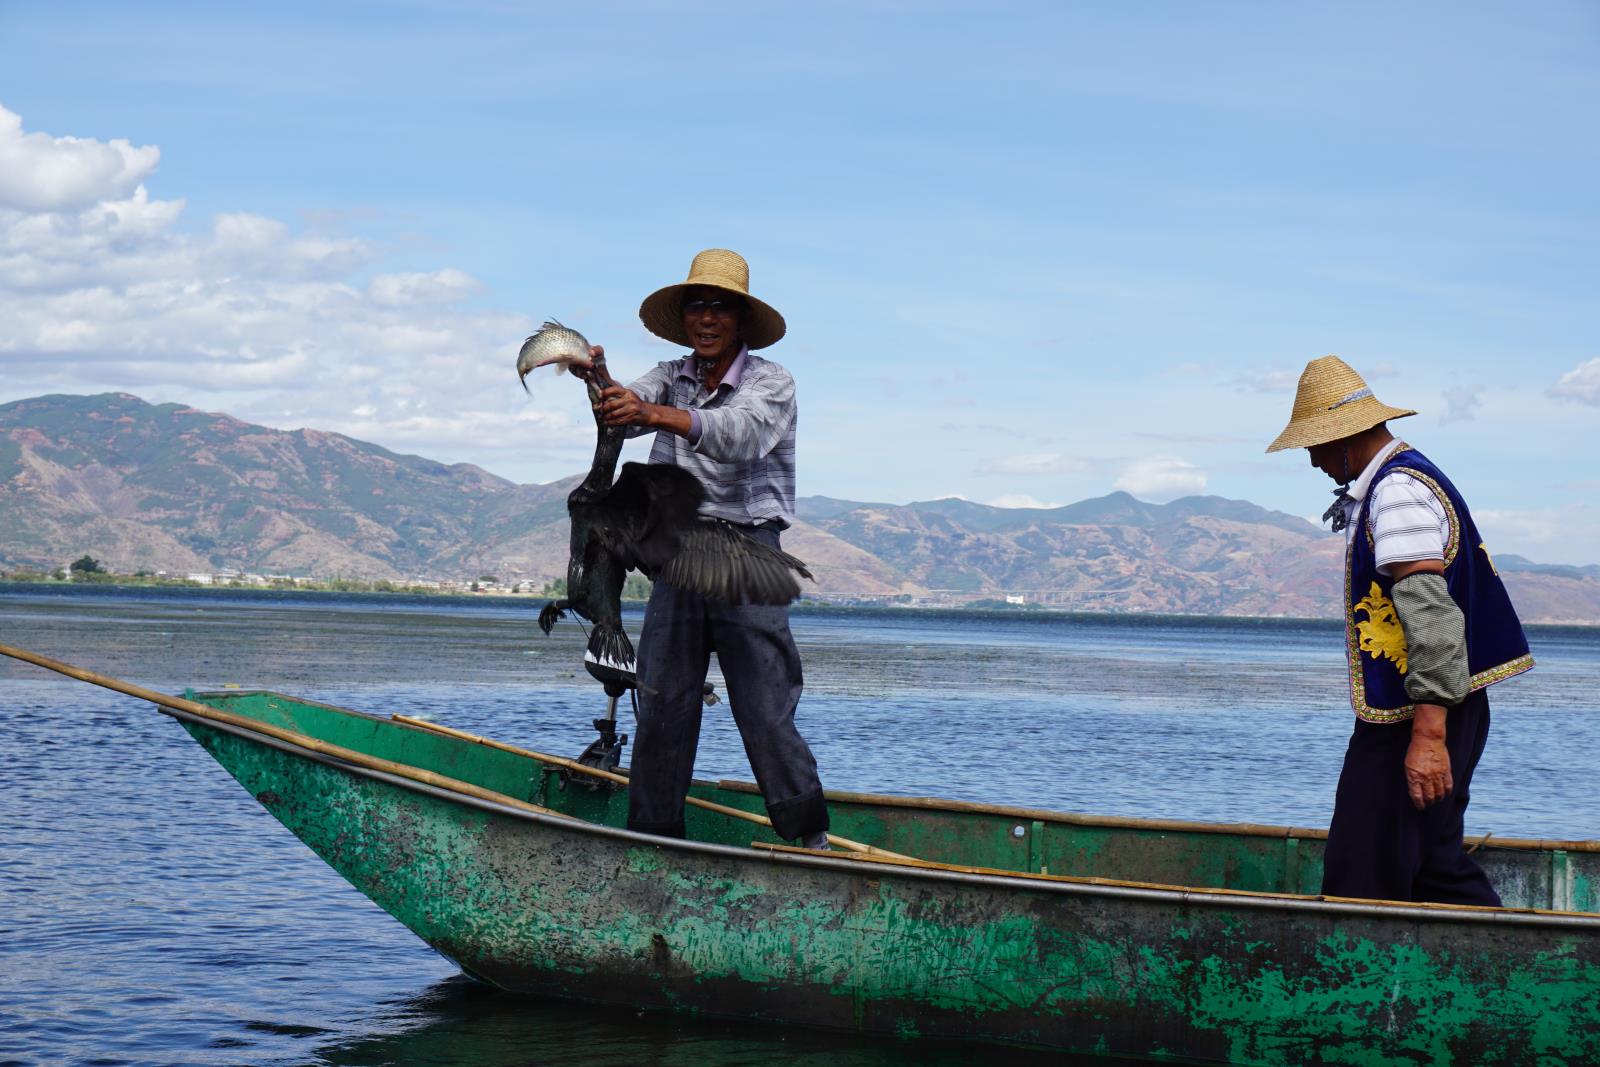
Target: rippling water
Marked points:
150	912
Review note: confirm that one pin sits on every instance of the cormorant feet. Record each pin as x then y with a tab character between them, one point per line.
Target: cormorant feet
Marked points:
551	612
610	645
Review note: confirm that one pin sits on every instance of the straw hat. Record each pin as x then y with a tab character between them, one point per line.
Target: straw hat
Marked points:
1332	403
715	268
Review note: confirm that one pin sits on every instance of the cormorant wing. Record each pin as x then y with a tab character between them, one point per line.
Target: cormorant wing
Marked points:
718	561
644	515
650	521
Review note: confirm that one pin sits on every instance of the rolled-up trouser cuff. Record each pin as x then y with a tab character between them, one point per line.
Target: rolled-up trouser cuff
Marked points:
800	817
660	829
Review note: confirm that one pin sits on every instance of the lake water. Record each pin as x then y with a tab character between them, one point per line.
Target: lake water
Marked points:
151	912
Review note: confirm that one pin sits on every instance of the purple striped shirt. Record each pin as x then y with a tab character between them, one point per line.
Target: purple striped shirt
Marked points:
741	442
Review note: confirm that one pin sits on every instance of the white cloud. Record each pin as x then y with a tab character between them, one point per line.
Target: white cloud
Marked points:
1161	478
1522	527
1036	463
1196	438
1019	500
464	429
43	173
1461	403
102	287
1582	384
1565	533
1190	369
281	371
440	287
1272	381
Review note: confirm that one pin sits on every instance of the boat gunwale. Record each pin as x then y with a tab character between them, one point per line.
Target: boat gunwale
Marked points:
987	878
969	807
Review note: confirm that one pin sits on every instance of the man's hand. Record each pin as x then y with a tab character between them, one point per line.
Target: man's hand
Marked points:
1428	777
621	406
581	371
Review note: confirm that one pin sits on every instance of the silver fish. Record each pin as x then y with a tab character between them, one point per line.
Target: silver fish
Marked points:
554	343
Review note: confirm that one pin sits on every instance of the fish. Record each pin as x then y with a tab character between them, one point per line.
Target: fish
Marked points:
556	344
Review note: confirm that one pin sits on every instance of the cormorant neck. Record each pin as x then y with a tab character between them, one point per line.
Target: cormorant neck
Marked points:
609	439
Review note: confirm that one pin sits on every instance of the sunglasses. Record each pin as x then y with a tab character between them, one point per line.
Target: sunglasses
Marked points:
716	307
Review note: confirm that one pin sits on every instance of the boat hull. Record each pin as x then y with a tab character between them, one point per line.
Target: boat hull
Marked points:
550	906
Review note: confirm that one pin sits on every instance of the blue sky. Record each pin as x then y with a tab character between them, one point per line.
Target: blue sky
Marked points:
1029	253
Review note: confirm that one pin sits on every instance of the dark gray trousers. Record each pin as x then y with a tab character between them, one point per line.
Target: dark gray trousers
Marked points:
762	668
1382	848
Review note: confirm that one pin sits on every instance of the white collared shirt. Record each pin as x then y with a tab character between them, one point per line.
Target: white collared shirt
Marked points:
1406	519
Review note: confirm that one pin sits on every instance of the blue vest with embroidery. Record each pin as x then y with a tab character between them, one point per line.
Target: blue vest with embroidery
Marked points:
1375	641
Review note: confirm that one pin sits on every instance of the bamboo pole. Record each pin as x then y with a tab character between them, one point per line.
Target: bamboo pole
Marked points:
611	776
402	770
299	740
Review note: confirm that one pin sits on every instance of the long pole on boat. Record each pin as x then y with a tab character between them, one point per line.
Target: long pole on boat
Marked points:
299	740
611	776
362	759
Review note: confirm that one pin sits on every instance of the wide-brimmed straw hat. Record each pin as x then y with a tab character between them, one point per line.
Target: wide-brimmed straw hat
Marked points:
1332	403
715	268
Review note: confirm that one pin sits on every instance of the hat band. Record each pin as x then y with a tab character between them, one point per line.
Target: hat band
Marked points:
1359	394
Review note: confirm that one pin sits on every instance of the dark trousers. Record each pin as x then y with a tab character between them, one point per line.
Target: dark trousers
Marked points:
762	668
1382	848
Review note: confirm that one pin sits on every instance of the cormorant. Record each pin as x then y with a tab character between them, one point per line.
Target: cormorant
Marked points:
649	521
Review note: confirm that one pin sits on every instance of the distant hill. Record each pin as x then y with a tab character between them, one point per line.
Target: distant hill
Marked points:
1202	555
168	487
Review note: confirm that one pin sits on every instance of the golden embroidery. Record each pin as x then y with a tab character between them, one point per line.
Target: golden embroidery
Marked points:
1354	638
1381	635
1358	681
1485	550
1509	669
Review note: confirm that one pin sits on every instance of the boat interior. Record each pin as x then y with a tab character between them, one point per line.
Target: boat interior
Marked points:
1560	876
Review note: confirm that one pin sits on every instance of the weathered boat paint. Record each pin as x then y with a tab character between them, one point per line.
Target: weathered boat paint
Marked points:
1221	963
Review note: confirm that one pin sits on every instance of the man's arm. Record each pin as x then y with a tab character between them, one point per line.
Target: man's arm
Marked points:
1409	529
747	427
638	405
624	407
1436	674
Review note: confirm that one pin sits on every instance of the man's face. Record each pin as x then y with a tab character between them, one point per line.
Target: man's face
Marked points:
1330	460
711	319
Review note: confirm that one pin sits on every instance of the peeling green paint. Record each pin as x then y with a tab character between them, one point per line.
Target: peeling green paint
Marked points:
562	911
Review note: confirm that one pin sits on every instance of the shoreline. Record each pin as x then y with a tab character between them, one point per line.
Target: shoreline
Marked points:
178	590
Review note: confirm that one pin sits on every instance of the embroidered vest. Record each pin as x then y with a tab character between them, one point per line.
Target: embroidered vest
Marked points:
1376	643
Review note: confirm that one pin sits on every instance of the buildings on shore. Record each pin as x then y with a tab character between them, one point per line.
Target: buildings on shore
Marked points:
237	579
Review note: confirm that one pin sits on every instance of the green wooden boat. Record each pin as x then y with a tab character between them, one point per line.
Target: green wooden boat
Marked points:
1174	941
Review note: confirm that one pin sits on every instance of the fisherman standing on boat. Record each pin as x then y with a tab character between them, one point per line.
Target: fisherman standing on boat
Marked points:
728	417
1428	626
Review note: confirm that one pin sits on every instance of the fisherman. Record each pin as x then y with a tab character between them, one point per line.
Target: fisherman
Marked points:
1428	626
727	416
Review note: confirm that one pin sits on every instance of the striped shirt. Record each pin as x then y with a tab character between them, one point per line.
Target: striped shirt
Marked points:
741	444
1406	519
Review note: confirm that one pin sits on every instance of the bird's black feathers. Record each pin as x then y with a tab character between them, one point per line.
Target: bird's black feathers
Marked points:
717	560
650	521
643	512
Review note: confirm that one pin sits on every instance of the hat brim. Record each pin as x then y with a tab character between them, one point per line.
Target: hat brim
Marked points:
662	315
1326	426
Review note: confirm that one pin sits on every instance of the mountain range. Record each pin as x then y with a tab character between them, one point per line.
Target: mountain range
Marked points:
144	486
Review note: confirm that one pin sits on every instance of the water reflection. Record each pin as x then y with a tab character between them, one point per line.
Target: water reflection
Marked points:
459	1023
